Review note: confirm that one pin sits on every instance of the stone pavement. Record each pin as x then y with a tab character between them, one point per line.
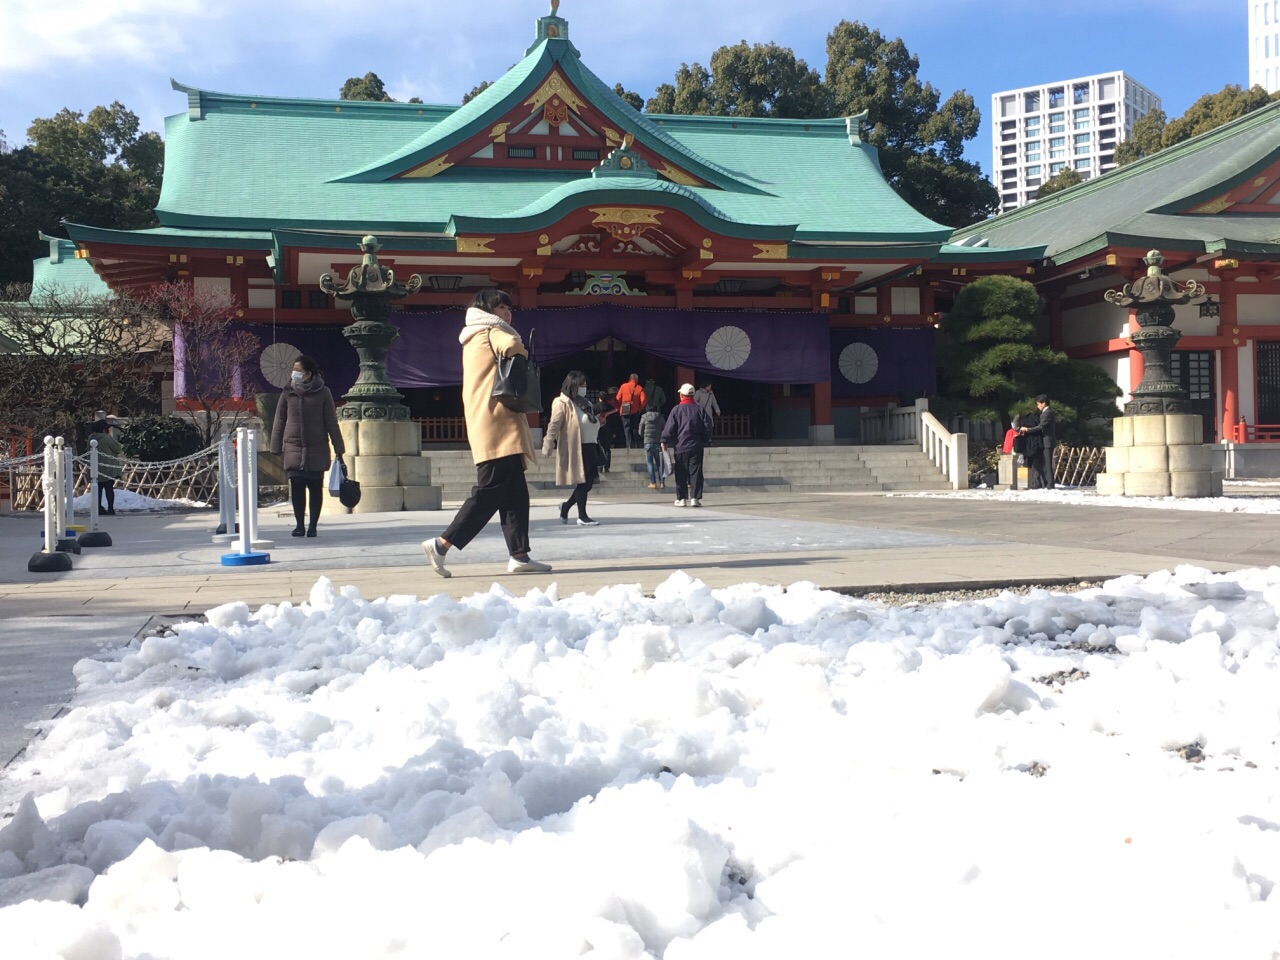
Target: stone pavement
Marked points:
164	566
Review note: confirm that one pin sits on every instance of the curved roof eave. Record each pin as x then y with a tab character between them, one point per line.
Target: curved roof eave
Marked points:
514	87
555	204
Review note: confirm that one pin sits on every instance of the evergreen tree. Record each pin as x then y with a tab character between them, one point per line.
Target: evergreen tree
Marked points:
368	87
1154	132
476	91
630	96
991	365
921	144
97	169
1066	177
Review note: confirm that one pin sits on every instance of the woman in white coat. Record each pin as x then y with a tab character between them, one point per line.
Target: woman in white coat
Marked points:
572	434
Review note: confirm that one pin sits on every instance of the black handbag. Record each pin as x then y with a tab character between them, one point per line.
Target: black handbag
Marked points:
349	490
517	381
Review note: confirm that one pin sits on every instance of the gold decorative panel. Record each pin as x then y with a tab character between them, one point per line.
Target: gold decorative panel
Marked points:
555	87
1216	205
676	175
770	251
429	169
475	244
499	132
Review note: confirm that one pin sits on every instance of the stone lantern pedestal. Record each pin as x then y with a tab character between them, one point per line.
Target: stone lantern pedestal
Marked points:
1158	447
384	447
1159	455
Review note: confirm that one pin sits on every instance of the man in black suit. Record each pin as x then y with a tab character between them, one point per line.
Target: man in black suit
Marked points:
1047	430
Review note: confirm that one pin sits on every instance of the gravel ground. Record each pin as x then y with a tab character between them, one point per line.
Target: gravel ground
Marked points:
909	598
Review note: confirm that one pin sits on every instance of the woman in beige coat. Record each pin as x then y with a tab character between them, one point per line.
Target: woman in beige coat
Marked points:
499	438
572	435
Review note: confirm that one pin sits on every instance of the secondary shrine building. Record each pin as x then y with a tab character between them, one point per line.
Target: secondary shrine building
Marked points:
767	256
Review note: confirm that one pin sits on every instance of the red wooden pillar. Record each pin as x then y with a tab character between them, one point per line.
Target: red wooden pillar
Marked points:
821	426
1230	353
1136	366
683	375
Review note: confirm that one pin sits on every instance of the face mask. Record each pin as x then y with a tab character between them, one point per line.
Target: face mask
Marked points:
297	376
582	391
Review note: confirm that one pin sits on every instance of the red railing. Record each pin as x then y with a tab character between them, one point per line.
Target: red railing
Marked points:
1255	433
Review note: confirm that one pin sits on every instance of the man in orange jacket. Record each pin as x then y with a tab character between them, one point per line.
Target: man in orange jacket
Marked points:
631	400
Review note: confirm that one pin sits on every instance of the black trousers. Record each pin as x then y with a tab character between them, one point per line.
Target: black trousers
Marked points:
299	489
579	495
1047	469
107	489
688	470
500	488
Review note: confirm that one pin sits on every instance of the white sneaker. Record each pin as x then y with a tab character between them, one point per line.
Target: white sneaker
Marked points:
682	503
435	558
695	503
527	566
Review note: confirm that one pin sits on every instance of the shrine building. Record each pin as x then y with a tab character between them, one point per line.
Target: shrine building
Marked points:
1211	206
769	257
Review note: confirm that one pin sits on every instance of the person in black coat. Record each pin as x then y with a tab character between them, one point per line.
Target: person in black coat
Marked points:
1046	430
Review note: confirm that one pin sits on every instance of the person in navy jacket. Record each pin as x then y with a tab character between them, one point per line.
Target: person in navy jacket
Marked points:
687	434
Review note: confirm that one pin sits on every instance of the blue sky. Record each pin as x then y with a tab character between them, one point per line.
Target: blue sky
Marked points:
81	53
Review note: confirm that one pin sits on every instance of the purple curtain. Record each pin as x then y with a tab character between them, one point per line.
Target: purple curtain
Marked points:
873	362
335	357
763	347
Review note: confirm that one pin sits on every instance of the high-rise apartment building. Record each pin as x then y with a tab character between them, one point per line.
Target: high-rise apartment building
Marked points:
1037	131
1264	44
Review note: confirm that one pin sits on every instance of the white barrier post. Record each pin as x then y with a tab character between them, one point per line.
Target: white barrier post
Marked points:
245	556
252	492
69	477
94	537
226	530
62	472
50	559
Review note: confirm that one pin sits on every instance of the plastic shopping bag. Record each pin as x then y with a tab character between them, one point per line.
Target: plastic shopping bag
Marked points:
666	464
336	476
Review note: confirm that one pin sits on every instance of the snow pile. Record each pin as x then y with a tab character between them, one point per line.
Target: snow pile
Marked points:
750	773
1248	503
129	502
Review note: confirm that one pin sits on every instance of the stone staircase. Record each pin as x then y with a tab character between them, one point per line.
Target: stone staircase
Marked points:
759	468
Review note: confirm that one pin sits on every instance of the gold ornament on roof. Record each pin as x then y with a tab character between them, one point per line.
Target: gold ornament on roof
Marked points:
555	86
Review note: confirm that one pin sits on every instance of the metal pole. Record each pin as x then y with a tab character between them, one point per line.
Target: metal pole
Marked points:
94	537
50	559
49	481
251	492
242	487
94	492
68	487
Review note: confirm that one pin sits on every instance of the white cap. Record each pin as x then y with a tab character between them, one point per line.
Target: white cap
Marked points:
686	390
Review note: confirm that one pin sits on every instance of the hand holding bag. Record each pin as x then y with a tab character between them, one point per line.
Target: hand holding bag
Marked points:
517	382
348	490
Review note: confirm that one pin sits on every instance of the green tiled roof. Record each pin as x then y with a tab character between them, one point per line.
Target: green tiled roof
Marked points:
246	163
1143	204
61	271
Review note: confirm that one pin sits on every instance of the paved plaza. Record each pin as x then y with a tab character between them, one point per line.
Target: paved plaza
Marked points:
164	566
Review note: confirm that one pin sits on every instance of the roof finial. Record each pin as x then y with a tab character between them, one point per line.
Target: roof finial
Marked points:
555	6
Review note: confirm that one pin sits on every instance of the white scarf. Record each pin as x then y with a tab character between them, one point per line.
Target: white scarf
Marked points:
478	321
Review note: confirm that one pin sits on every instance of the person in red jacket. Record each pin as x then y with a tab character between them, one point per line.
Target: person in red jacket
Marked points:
631	403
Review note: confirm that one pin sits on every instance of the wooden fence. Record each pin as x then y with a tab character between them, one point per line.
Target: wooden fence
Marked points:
732	426
193	479
1078	466
443	429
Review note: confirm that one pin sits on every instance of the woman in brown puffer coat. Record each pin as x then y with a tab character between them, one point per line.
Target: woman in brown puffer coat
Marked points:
306	421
